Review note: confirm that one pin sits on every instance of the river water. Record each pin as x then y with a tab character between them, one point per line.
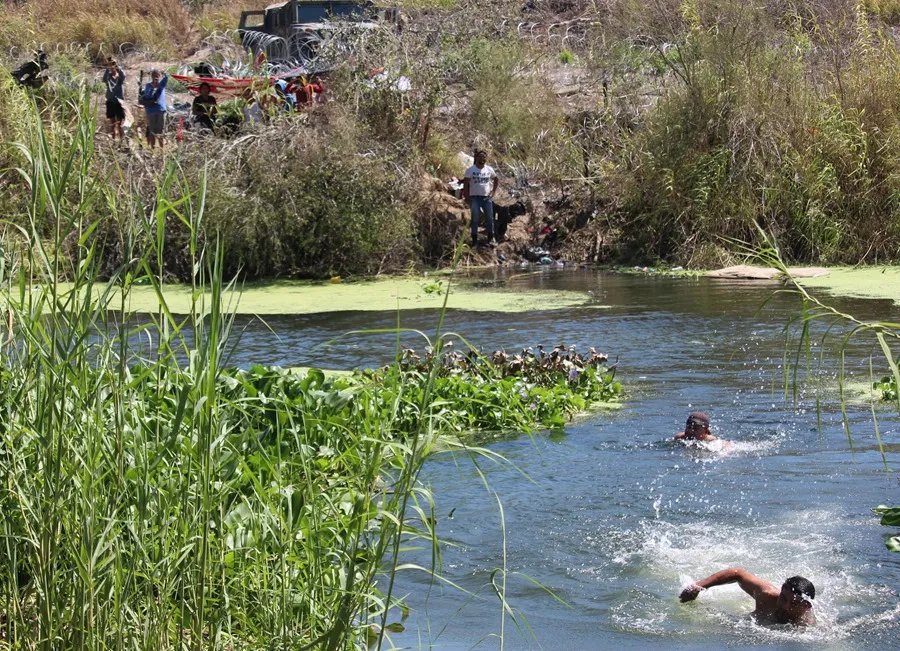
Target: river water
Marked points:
612	517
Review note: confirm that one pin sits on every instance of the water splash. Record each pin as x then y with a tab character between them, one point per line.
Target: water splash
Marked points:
722	448
661	558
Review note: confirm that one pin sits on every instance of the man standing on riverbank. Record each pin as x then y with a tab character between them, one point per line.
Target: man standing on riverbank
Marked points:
790	605
114	80
479	185
153	99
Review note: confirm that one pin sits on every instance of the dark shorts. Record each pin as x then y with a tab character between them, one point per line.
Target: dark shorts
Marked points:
156	124
115	110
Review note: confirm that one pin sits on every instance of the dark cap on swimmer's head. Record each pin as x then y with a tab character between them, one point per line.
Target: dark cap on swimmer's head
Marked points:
697	418
802	588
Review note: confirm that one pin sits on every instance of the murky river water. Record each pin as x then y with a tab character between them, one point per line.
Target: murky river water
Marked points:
612	517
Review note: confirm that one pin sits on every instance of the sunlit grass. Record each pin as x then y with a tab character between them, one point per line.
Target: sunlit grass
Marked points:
153	500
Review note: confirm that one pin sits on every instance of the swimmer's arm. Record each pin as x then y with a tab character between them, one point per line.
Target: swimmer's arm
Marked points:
749	583
679	436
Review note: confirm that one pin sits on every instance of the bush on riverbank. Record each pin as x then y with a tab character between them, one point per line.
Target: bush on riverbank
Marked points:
668	131
754	128
311	204
317	203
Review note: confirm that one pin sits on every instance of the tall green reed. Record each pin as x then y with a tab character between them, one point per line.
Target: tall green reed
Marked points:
151	500
840	325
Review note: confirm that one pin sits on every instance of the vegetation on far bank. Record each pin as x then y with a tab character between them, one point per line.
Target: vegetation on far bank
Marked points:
643	132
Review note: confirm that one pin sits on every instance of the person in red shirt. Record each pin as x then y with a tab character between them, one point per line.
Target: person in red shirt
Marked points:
306	91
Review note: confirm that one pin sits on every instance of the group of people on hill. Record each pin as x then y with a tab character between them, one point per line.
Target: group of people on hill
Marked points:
292	95
792	603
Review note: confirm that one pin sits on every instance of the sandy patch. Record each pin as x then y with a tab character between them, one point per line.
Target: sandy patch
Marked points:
750	272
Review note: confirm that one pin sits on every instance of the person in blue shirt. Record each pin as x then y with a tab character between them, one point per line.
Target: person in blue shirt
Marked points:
153	99
289	102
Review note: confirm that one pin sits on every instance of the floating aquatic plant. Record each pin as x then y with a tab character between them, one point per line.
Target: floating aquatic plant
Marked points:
888	388
890	517
502	391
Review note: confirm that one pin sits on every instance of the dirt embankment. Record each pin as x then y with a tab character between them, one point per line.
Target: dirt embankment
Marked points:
444	221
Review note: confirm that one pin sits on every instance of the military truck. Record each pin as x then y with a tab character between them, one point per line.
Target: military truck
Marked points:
294	30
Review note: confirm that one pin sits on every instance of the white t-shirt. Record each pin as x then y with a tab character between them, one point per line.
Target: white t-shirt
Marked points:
480	180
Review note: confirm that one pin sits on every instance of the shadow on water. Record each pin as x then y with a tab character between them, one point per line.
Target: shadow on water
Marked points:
615	518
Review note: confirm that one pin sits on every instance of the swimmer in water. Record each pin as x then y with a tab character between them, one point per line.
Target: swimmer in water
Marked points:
790	605
697	429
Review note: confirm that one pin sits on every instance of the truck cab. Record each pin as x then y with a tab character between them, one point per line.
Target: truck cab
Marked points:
294	29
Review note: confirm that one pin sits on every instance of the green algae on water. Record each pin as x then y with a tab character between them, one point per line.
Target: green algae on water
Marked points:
390	294
866	282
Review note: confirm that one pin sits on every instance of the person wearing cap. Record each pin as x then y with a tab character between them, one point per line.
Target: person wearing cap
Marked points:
696	428
479	185
114	80
792	604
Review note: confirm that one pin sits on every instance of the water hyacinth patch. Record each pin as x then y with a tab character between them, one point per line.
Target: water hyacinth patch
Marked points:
888	388
534	388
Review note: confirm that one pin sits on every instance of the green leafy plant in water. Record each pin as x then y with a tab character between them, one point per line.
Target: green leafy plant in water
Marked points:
890	517
888	388
501	391
433	287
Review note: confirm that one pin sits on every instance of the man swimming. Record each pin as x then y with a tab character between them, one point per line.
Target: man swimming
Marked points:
696	428
790	605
